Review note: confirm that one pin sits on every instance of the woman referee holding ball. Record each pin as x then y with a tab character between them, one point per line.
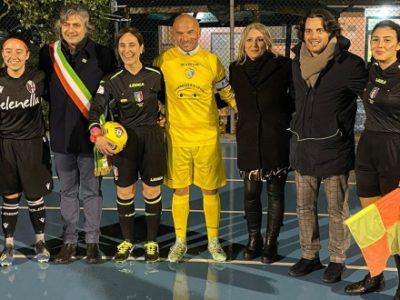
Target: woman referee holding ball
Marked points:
136	90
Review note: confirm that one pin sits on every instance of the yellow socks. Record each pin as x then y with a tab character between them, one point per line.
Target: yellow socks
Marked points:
180	213
212	209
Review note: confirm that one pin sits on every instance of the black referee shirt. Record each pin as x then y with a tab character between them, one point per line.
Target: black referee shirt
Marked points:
382	99
135	97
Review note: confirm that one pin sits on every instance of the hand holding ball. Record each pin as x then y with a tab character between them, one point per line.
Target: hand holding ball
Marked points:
116	133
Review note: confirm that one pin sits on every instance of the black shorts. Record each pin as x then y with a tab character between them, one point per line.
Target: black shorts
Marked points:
25	166
144	155
377	163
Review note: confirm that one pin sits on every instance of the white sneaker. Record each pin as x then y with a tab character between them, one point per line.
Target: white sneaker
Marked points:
177	251
216	251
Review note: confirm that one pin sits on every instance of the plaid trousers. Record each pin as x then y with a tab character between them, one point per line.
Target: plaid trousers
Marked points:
337	195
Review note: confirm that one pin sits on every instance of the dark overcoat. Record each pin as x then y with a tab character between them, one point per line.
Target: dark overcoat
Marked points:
322	143
69	131
264	113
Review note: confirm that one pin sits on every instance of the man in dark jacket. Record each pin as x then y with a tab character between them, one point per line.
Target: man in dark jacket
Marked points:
327	79
74	66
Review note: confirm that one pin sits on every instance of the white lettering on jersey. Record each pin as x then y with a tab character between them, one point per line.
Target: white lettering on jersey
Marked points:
31	102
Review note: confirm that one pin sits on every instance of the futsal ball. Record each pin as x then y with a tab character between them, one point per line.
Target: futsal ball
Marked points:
116	133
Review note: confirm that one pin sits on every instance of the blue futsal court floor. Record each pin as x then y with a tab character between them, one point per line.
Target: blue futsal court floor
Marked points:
198	277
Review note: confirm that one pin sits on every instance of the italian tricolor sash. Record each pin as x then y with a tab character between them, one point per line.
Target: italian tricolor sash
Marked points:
71	82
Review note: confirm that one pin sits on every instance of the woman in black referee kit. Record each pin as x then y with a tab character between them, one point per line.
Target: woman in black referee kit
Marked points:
24	151
136	90
378	154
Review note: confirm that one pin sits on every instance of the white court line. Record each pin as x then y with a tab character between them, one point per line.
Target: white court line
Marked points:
210	261
170	210
228	180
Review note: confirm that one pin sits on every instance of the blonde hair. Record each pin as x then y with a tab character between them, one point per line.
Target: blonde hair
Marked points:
241	58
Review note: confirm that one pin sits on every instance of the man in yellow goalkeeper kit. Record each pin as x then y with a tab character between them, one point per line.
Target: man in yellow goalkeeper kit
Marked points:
192	76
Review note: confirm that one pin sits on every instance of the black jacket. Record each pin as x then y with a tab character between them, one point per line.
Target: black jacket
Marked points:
322	143
264	113
68	127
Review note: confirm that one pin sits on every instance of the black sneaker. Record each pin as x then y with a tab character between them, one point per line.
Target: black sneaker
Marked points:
123	251
7	256
151	252
367	285
305	266
333	272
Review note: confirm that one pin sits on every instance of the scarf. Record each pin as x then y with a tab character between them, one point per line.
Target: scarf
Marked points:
311	66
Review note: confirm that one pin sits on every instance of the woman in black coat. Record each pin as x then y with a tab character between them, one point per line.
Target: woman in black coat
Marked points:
261	80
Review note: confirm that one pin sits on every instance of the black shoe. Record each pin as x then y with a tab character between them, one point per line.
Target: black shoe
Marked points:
397	295
254	246
305	266
367	285
66	254
92	253
270	251
333	272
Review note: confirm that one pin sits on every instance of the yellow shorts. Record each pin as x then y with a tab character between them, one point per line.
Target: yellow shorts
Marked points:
198	165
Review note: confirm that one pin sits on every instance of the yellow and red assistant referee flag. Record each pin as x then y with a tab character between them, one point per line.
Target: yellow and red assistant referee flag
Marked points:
376	230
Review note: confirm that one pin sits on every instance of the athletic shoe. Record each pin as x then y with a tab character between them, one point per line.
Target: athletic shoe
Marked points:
42	252
177	251
7	256
151	252
216	251
123	251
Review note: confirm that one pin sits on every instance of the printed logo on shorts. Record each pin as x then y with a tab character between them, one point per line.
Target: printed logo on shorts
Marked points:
189	73
48	185
156	178
1	89
31	86
138	98
5	225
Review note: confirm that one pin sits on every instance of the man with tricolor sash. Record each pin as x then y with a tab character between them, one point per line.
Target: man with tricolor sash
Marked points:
74	66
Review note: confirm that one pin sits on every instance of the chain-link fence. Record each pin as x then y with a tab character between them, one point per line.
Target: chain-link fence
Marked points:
223	21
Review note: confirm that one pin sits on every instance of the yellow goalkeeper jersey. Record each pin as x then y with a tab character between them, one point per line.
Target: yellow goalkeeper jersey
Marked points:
191	83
